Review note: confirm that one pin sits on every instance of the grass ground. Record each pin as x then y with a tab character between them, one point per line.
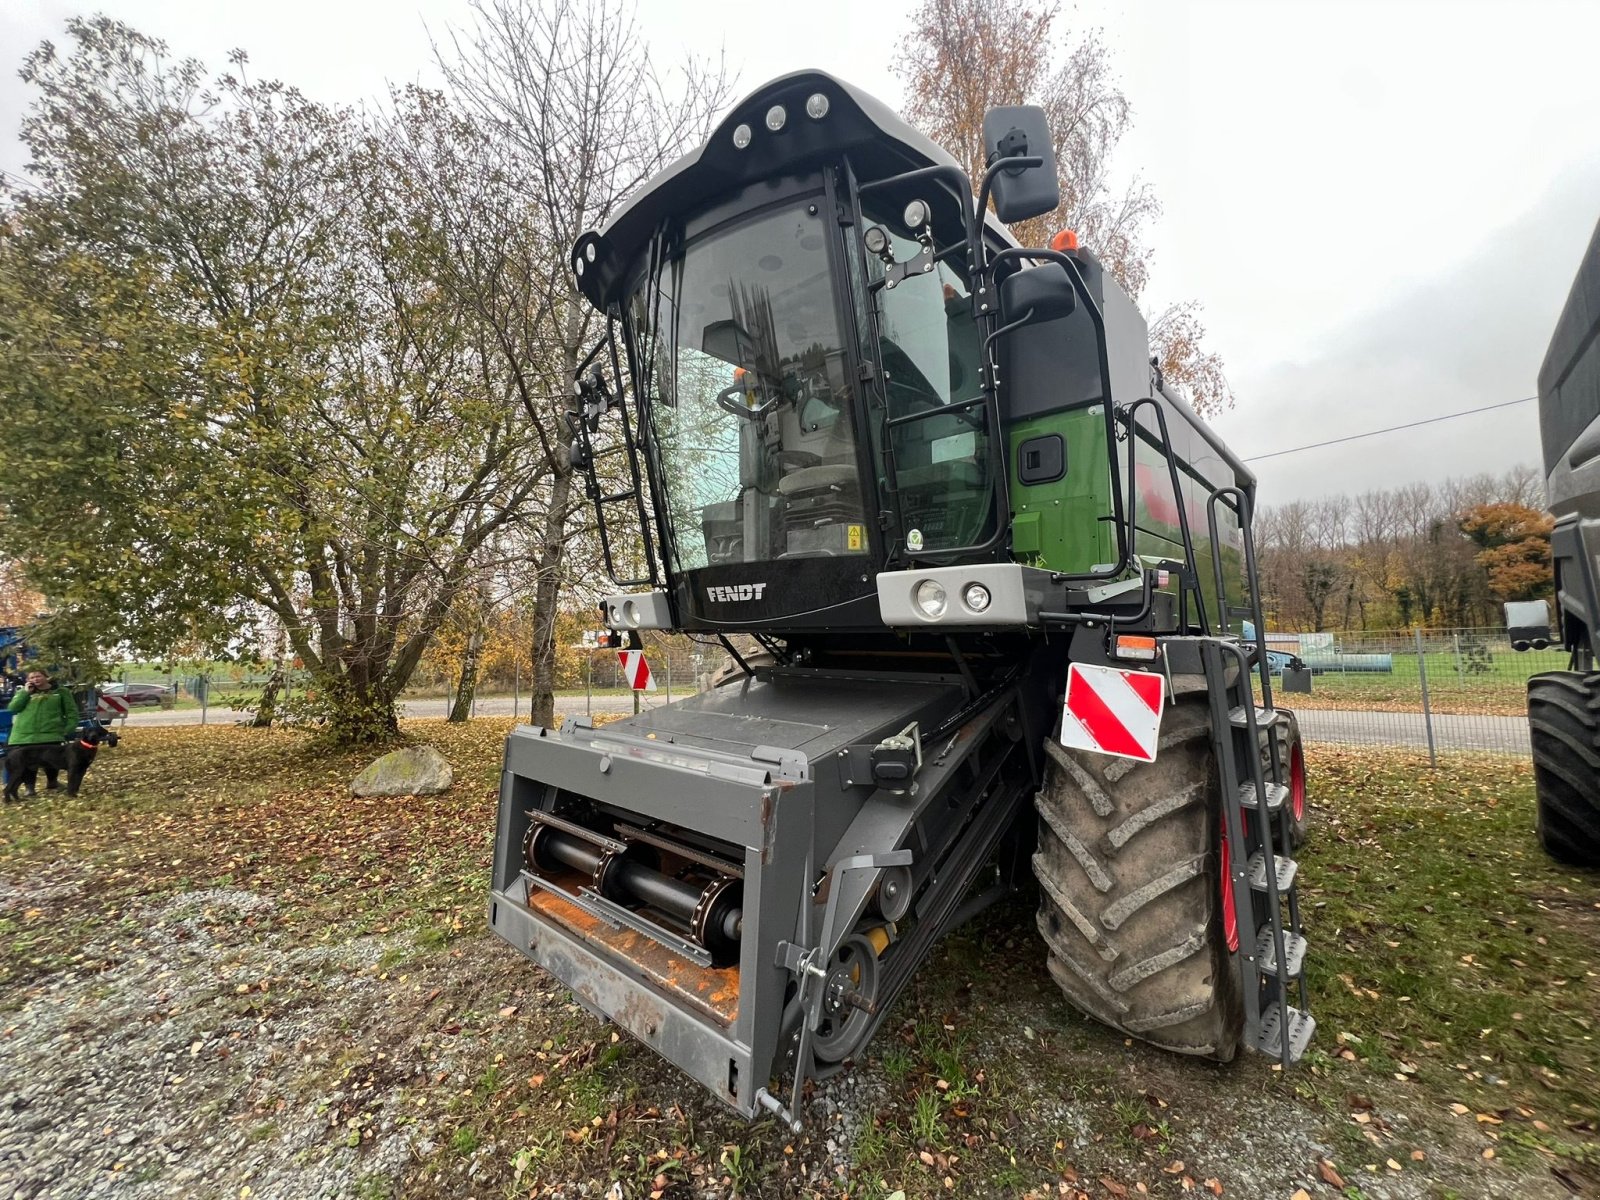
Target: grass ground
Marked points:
1454	973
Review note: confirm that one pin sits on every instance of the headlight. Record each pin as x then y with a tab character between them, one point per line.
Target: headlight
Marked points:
930	598
976	597
776	116
816	106
741	137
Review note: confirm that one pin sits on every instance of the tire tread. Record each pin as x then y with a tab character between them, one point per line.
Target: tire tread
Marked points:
1564	729
1129	890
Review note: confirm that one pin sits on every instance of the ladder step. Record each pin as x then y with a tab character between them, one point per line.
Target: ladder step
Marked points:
1266	718
1256	871
1301	1026
1294	950
1276	795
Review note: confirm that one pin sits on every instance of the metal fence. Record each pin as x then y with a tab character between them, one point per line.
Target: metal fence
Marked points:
1433	689
1436	690
589	681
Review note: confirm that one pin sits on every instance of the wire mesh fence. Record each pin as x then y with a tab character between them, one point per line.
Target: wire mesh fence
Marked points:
1438	690
588	681
1433	689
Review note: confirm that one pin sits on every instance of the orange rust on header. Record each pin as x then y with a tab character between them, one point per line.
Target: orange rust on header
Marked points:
712	991
1064	241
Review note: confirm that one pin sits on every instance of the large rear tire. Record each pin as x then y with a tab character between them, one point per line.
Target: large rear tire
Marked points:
1292	759
1564	726
1130	889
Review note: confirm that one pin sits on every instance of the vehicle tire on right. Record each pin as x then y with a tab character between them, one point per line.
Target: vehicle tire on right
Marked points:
1131	903
1564	727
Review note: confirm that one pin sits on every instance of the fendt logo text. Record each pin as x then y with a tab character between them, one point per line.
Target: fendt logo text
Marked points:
739	591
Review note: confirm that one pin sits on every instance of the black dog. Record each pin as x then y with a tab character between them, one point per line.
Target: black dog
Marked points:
74	756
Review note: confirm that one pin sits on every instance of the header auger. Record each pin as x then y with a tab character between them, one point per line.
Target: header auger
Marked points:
934	475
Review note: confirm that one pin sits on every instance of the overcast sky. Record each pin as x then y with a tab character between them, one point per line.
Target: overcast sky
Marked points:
1381	205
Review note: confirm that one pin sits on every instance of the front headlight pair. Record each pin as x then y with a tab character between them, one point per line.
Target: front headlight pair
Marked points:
932	600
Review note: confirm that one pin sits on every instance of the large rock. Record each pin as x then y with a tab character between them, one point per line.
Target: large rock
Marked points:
414	771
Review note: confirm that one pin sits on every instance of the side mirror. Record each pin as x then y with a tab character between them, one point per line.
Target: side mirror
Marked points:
1037	294
1528	624
731	342
1021	131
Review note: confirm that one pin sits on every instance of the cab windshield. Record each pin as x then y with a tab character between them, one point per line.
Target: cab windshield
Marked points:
750	397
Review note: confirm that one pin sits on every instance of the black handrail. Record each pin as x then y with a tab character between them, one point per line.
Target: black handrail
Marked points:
985	314
1130	414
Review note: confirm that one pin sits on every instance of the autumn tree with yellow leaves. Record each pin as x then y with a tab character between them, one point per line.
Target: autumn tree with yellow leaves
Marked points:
963	57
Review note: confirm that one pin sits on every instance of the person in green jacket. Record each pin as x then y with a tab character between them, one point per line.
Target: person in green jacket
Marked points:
42	716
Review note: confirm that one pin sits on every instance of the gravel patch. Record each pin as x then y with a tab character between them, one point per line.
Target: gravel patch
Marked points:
29	893
179	1071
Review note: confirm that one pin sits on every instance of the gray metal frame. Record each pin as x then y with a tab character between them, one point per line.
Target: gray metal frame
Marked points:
806	828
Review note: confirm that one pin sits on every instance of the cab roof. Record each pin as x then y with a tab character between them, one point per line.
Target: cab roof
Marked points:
854	121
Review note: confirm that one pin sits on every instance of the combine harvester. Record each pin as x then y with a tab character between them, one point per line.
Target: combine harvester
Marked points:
997	573
1564	706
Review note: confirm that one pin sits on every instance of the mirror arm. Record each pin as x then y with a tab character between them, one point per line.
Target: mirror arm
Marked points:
991	370
1073	274
1020	162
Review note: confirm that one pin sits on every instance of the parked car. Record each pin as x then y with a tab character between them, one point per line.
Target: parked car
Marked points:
153	695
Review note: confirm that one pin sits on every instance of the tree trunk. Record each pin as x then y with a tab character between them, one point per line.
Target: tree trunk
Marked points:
267	706
356	711
542	698
468	685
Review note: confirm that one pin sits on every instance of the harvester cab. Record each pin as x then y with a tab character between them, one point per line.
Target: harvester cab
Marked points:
977	555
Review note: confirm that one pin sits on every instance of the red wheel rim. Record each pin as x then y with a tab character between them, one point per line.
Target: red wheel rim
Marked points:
1230	916
1297	783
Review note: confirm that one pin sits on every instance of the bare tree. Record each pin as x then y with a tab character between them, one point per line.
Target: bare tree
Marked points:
574	115
1422	553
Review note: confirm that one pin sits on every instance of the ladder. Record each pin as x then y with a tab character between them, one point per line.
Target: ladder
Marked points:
1259	868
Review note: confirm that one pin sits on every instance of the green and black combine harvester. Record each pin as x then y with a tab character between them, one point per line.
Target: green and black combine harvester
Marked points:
999	577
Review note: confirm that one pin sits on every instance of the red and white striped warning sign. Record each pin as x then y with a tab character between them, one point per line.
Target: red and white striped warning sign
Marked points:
1112	711
636	670
110	707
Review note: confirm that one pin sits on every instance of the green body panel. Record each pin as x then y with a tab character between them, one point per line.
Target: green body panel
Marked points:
1058	525
1064	525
